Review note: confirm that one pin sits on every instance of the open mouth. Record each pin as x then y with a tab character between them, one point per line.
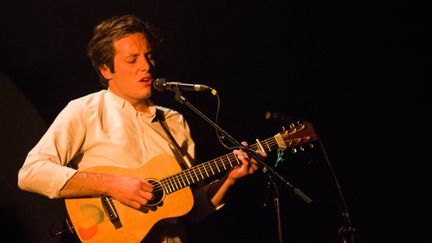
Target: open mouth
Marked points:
146	80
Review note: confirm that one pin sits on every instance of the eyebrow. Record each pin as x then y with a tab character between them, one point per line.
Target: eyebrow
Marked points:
132	55
137	54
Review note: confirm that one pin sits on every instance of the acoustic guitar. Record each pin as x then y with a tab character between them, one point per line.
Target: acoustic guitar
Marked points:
103	219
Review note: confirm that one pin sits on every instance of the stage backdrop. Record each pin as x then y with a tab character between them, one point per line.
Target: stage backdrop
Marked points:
26	217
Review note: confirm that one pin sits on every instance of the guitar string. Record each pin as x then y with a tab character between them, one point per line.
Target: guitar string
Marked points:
195	174
213	165
173	183
175	180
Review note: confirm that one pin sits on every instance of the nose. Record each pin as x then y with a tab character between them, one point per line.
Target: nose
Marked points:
145	64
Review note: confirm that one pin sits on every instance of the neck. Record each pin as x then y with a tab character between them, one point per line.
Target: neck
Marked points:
142	106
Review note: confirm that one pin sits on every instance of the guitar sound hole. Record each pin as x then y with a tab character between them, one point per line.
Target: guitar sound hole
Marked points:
158	195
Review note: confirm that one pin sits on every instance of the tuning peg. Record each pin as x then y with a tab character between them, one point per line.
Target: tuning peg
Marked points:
311	145
293	150
283	129
302	148
292	125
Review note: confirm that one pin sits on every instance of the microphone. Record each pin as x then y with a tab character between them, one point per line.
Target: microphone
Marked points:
162	84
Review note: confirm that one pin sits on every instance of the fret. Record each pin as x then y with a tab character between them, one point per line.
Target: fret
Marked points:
206	170
268	147
164	186
229	161
185	174
194	171
217	166
184	184
201	173
176	182
211	169
180	181
238	162
168	185
190	173
171	184
220	158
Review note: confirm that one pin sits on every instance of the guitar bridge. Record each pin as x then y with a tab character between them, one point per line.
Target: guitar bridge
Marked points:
111	211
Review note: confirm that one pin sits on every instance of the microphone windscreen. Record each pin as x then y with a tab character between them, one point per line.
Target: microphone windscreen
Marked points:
159	84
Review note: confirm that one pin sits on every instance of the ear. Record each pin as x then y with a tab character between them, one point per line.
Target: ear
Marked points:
106	72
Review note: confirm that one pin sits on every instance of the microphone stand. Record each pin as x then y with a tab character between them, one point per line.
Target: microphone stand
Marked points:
276	204
266	169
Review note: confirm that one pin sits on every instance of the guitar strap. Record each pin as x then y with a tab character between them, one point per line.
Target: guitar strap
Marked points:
181	153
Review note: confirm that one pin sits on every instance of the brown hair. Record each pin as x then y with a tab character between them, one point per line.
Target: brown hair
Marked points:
100	48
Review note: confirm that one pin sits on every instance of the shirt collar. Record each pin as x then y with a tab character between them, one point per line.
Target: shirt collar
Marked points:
125	105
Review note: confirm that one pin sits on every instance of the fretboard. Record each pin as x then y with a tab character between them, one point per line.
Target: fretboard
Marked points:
211	168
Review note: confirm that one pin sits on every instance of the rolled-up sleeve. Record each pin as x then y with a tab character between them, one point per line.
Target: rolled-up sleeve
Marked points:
45	168
53	179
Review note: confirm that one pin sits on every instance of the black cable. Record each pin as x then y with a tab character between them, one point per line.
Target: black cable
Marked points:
345	214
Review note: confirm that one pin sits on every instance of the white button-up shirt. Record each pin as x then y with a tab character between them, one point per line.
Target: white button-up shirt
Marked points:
99	129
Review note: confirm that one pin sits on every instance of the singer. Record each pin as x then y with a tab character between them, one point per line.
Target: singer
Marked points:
107	153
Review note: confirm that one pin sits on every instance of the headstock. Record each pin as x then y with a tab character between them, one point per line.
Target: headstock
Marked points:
297	136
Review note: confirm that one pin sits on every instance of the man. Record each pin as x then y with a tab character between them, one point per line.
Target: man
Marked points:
119	127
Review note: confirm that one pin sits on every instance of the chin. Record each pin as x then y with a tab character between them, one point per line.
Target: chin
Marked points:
144	95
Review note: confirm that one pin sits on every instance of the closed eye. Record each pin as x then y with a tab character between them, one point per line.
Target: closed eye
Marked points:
131	59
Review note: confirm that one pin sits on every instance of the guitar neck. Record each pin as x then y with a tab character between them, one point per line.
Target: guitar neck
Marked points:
211	168
296	135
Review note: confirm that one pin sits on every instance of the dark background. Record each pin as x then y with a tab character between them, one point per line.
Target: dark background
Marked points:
357	71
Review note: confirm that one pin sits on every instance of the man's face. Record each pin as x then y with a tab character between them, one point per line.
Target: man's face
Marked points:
131	78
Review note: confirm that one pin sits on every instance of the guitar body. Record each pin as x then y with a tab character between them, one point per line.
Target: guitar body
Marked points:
91	220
